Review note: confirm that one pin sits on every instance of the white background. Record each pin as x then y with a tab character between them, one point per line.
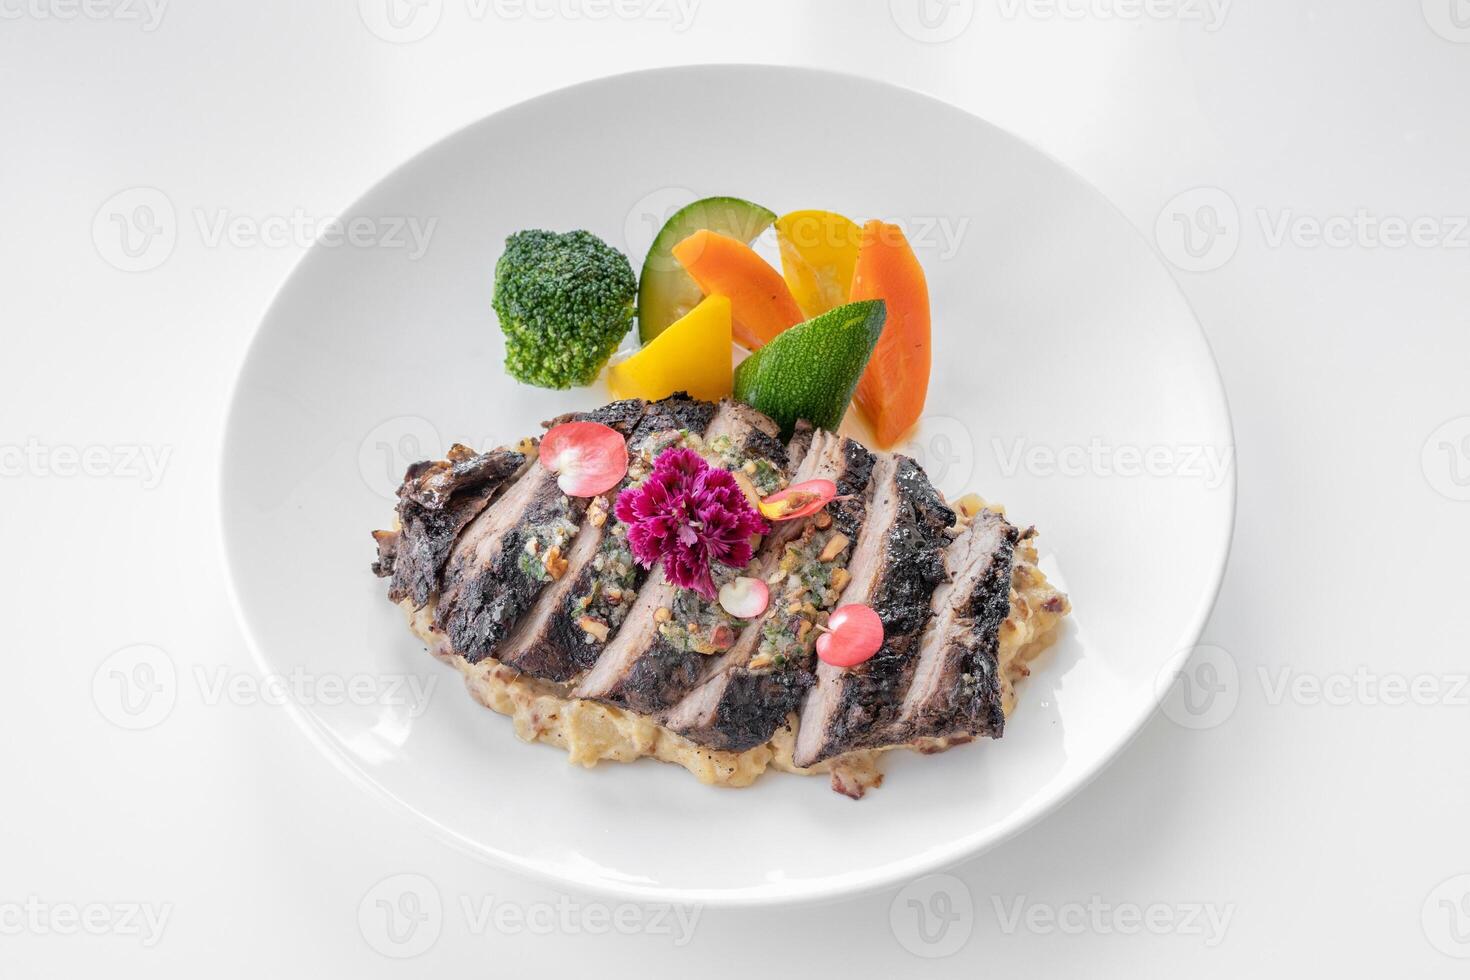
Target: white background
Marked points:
1327	829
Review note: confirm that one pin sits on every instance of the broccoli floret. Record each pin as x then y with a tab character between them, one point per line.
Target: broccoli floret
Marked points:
564	302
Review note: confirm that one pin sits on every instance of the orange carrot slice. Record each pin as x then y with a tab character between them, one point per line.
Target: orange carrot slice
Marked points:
893	388
760	301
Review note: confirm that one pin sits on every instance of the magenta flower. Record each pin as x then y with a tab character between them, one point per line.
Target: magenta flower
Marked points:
689	515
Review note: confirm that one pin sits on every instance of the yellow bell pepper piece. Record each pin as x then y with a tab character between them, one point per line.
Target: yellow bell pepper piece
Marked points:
819	251
694	354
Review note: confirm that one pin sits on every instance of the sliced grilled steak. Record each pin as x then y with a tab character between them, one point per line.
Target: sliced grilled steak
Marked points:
676	412
564	634
956	689
435	502
623	416
898	561
755	687
502	561
663	648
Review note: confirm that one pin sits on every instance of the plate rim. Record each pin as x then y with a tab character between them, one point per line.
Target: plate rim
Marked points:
794	892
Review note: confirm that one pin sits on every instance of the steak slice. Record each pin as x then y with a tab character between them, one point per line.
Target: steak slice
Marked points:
956	689
664	646
754	688
435	502
898	561
502	560
564	634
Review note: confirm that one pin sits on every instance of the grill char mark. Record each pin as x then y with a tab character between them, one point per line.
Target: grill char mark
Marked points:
435	502
485	590
896	566
956	690
934	683
553	646
738	708
640	669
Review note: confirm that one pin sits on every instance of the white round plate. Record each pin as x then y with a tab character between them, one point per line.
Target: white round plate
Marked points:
1071	383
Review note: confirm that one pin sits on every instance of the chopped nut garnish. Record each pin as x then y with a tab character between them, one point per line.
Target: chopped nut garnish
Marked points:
594	628
556	565
794	607
835	547
598	517
532	546
840	578
749	467
761	661
823	520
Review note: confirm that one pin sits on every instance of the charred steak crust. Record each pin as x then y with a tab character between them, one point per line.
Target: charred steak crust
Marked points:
755	705
552	646
968	701
857	470
623	416
678	411
469	526
751	705
763	445
562	650
856	708
651	672
482	607
435	502
914	551
658	678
